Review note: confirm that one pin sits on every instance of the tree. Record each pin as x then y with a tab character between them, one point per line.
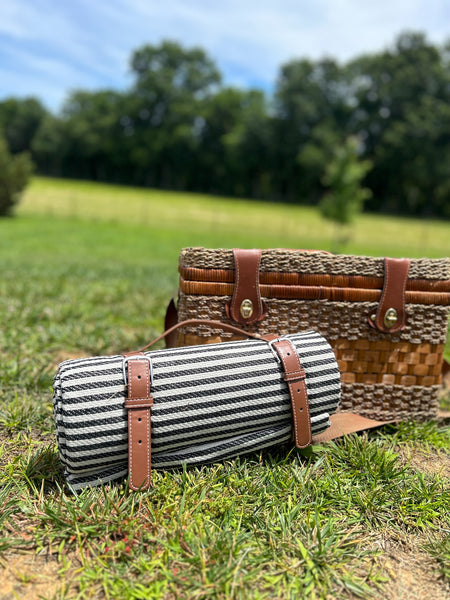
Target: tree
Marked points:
49	147
346	195
234	144
248	147
93	134
14	174
178	127
20	119
311	114
86	141
402	115
164	110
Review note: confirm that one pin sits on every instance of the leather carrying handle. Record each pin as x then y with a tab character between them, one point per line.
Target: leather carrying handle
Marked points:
171	326
293	372
212	324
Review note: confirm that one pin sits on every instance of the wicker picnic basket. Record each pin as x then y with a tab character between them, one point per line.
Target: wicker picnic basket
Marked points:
386	319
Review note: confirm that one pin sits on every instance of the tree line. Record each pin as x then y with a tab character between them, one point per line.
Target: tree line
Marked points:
178	127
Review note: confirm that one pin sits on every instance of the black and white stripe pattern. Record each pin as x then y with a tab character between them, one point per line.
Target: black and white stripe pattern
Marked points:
210	402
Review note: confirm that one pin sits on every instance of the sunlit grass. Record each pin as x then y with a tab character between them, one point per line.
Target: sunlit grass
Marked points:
88	269
197	219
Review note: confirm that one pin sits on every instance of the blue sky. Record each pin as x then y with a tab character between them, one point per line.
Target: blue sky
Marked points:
49	47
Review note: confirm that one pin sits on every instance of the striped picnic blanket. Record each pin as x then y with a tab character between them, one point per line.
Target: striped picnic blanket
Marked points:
211	402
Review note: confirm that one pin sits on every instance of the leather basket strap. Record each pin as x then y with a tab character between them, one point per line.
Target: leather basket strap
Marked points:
246	305
294	376
391	314
137	369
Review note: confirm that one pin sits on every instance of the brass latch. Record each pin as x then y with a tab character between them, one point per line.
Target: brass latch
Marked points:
246	308
390	318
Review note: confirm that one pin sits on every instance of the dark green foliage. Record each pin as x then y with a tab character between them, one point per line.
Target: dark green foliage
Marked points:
20	119
177	127
402	99
15	171
84	142
310	115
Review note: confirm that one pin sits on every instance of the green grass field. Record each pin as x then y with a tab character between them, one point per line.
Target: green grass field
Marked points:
88	269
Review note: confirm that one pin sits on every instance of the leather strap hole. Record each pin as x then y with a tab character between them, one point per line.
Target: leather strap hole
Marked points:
288	353
140	442
140	419
139	377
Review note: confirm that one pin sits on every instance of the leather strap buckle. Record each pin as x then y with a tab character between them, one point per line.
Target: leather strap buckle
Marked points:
274	352
136	357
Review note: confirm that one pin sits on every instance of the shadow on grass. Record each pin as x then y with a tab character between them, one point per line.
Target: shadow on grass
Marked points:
43	469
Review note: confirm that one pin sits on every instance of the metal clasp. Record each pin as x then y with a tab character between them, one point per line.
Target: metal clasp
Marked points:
246	309
390	318
136	357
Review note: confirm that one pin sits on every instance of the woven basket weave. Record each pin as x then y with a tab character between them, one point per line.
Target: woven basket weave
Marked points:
384	375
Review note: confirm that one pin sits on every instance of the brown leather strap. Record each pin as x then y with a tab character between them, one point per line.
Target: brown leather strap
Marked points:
137	367
206	323
294	376
391	314
246	305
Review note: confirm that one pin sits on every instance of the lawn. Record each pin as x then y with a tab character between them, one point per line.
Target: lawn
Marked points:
88	269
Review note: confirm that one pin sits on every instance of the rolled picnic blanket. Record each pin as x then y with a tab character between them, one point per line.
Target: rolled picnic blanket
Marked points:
209	403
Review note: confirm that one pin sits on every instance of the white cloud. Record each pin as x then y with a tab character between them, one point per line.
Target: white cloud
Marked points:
259	36
83	43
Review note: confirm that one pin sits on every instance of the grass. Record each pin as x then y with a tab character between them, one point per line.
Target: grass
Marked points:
200	220
87	269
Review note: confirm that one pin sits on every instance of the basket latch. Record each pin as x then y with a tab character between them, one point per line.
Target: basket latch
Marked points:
390	316
246	305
